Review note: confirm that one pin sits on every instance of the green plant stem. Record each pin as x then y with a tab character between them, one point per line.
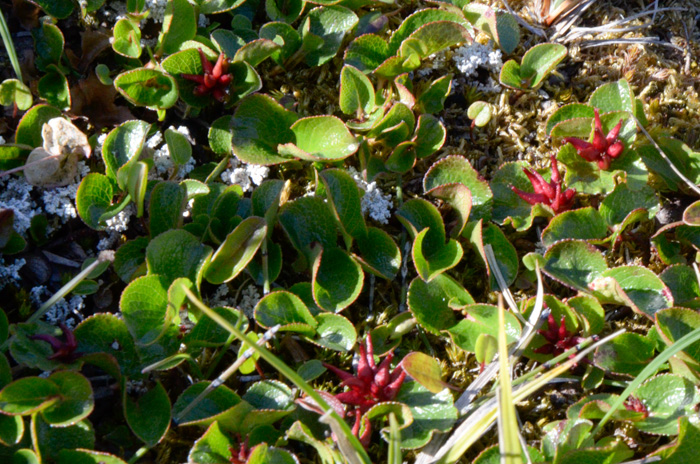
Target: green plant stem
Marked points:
106	255
680	344
295	378
138	454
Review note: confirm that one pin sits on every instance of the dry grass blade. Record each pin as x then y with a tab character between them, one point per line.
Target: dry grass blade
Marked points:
267	336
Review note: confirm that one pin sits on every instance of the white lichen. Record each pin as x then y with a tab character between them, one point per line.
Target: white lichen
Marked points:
157	10
60	201
9	272
245	175
115	226
469	58
63	311
250	296
15	194
375	203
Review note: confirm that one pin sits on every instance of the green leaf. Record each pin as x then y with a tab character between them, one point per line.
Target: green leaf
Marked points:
237	250
59	9
322	31
259	126
168	201
287	309
453	169
14	91
505	253
127	38
566	112
210	334
684	286
287	11
219	6
583	223
214	447
105	333
417	215
431	262
123	145
76	400
179	25
482	319
48	44
217	401
429	136
685	159
179	147
220	136
425	370
379	254
367	52
574	263
29	127
480	113
667	398
613	96
414	22
54	439
337	279
11	430
93	199
53	87
432	100
66	456
28	395
270	394
256	52
130	259
430	413
673	324
390	128
622	201
685	448
536	64
344	197
356	92
283	35
635	286
144	306
335	332
433	303
308	220
149	415
177	253
320	138
148	87
627	354
263	454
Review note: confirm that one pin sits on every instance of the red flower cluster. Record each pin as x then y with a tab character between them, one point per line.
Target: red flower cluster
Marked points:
371	385
62	351
558	338
240	455
551	193
214	81
604	148
635	405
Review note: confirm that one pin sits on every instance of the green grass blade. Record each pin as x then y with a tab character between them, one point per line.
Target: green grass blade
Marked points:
9	47
394	441
681	344
350	446
509	443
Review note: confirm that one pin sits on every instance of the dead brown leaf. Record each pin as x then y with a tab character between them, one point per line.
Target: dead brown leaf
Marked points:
95	101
